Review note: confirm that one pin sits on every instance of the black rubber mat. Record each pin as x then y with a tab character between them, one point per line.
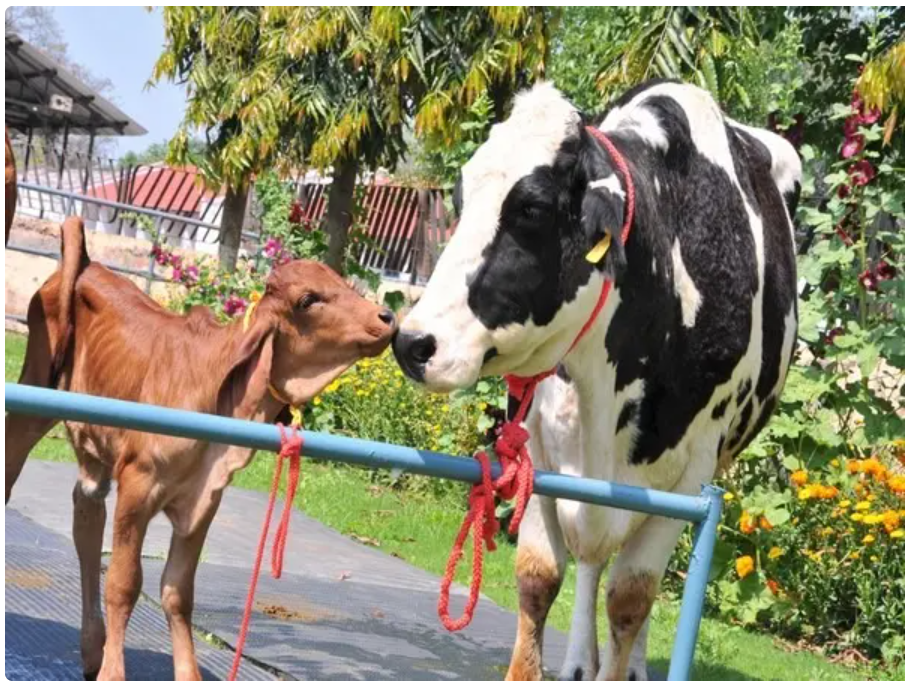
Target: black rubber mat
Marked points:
43	615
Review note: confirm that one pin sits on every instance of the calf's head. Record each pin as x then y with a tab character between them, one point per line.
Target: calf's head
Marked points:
513	287
308	328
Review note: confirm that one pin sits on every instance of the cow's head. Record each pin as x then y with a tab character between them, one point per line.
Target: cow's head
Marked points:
513	287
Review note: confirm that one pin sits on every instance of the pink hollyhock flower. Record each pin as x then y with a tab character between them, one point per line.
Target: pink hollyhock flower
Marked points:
177	274
843	191
861	172
853	146
273	248
869	280
885	270
191	274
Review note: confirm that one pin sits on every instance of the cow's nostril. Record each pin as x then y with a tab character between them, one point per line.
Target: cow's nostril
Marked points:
387	316
422	348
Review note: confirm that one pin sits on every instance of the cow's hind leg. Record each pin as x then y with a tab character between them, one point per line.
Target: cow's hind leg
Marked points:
23	431
124	577
89	516
540	569
633	583
177	592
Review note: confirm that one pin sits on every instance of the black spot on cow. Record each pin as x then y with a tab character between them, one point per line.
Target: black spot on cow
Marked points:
742	427
719	409
702	208
743	391
753	165
628	411
720	446
563	374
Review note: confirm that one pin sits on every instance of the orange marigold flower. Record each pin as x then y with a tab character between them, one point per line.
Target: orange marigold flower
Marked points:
891	520
773	586
746	523
744	566
853	466
827	492
896	483
765	524
799	478
776	552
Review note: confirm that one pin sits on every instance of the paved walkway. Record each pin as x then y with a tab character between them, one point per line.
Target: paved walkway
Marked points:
342	610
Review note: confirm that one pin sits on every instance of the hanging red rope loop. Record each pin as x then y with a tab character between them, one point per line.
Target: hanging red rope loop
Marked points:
291	448
516	479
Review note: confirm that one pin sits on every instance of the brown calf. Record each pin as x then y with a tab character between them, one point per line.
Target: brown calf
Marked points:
92	331
11	188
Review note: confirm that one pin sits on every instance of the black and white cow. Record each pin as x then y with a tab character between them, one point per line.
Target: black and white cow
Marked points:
684	364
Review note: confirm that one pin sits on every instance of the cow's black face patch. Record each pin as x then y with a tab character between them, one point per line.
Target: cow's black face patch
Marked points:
548	221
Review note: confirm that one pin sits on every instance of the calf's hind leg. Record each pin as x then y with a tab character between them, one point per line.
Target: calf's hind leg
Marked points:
540	569
23	431
89	516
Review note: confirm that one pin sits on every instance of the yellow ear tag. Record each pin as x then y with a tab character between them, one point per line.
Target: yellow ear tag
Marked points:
597	252
254	299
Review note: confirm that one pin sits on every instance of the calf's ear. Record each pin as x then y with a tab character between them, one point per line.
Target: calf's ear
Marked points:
245	383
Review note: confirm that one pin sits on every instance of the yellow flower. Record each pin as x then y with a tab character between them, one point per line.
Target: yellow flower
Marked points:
728	496
744	566
317	401
446	408
857	517
862	506
854	555
844	503
868	539
826	531
804	494
897	534
871	497
775	552
799	478
874	559
834	463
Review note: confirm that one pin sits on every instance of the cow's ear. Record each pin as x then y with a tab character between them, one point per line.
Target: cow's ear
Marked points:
245	383
601	216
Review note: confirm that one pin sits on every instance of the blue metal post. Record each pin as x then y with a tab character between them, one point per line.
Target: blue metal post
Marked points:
695	586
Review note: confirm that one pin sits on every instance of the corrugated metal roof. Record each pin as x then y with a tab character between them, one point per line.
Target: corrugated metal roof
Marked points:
34	80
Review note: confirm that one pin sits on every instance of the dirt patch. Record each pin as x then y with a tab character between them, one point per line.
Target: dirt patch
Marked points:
28	579
296	610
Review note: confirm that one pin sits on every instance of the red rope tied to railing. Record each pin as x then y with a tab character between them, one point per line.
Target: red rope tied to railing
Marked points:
291	448
516	479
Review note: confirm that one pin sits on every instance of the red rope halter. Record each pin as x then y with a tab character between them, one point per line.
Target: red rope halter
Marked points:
291	447
516	479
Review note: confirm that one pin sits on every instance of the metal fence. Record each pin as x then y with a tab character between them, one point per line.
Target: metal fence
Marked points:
704	510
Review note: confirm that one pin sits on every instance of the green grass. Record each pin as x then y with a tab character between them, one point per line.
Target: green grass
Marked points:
420	531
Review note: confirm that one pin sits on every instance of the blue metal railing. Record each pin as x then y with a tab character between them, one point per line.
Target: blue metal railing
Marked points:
703	510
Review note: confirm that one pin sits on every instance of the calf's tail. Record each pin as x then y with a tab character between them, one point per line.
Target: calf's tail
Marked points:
51	323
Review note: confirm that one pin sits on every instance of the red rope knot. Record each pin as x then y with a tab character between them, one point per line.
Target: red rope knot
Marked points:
291	448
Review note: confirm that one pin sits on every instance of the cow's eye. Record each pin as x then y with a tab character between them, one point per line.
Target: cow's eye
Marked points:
308	300
531	212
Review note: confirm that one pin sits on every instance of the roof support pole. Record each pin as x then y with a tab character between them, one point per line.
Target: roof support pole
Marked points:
63	154
91	149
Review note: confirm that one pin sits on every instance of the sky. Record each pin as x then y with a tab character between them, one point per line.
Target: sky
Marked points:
123	43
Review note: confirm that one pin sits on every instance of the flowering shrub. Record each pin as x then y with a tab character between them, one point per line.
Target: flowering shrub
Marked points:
374	401
812	541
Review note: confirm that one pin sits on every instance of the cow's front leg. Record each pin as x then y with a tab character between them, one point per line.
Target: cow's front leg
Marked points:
633	583
540	569
582	660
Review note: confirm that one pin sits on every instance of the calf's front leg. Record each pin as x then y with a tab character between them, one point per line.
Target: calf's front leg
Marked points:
89	516
177	592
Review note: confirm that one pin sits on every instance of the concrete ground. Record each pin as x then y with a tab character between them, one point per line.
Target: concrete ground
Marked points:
342	610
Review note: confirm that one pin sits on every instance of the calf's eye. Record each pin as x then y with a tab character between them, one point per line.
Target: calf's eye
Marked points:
307	301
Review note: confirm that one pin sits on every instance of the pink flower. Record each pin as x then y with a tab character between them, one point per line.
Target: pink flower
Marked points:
869	116
191	274
177	274
176	261
861	173
234	306
885	270
869	280
843	191
853	146
273	248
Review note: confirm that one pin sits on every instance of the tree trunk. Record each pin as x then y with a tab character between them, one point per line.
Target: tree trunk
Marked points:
234	212
340	213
